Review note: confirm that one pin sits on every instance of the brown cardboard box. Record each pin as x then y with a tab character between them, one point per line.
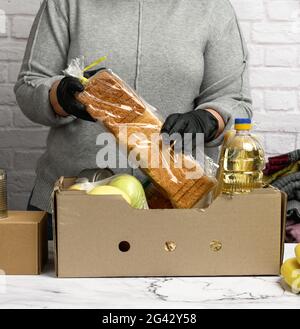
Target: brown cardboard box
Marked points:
242	235
23	242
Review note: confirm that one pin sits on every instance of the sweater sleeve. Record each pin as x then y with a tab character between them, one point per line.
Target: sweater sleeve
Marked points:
45	58
225	87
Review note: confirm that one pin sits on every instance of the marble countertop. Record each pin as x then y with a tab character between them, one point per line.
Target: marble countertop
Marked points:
46	291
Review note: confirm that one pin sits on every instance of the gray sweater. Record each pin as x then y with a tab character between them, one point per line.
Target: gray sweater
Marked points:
171	51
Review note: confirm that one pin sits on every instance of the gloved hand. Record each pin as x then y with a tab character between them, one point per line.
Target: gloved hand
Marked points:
66	91
197	121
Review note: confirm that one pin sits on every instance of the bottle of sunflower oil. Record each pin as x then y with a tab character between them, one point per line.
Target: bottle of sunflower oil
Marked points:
243	161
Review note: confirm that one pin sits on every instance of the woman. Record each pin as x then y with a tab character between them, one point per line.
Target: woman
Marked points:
186	58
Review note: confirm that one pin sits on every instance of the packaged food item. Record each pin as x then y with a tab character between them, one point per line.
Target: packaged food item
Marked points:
111	101
243	161
156	200
227	136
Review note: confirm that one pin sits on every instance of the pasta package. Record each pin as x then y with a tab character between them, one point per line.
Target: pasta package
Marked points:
136	126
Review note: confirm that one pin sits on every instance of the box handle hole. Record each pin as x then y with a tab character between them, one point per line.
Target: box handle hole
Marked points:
170	246
216	246
124	246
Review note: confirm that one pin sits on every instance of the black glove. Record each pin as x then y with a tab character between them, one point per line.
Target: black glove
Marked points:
198	121
66	96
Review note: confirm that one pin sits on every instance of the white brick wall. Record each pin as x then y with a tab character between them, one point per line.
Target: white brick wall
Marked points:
21	141
272	30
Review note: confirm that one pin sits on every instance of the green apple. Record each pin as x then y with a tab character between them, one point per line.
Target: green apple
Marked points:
132	187
109	190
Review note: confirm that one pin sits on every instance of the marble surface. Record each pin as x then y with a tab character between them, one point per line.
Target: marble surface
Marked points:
46	291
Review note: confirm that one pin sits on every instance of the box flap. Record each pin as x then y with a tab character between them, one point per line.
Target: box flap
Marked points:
62	184
23	217
57	187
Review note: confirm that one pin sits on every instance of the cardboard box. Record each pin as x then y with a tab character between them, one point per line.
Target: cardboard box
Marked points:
23	242
102	236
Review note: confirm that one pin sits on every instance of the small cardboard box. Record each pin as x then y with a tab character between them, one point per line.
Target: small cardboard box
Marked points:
23	243
102	236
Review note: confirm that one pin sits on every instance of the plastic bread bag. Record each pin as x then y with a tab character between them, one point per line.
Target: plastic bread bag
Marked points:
137	126
127	186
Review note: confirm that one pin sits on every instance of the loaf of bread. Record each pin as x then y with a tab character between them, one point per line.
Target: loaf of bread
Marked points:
156	200
109	100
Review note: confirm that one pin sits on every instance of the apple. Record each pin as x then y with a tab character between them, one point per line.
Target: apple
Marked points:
109	190
132	187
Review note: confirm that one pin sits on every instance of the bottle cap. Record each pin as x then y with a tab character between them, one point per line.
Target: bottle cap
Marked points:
242	124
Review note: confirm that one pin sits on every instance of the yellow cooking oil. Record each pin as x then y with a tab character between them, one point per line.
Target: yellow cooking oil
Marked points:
227	137
243	161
